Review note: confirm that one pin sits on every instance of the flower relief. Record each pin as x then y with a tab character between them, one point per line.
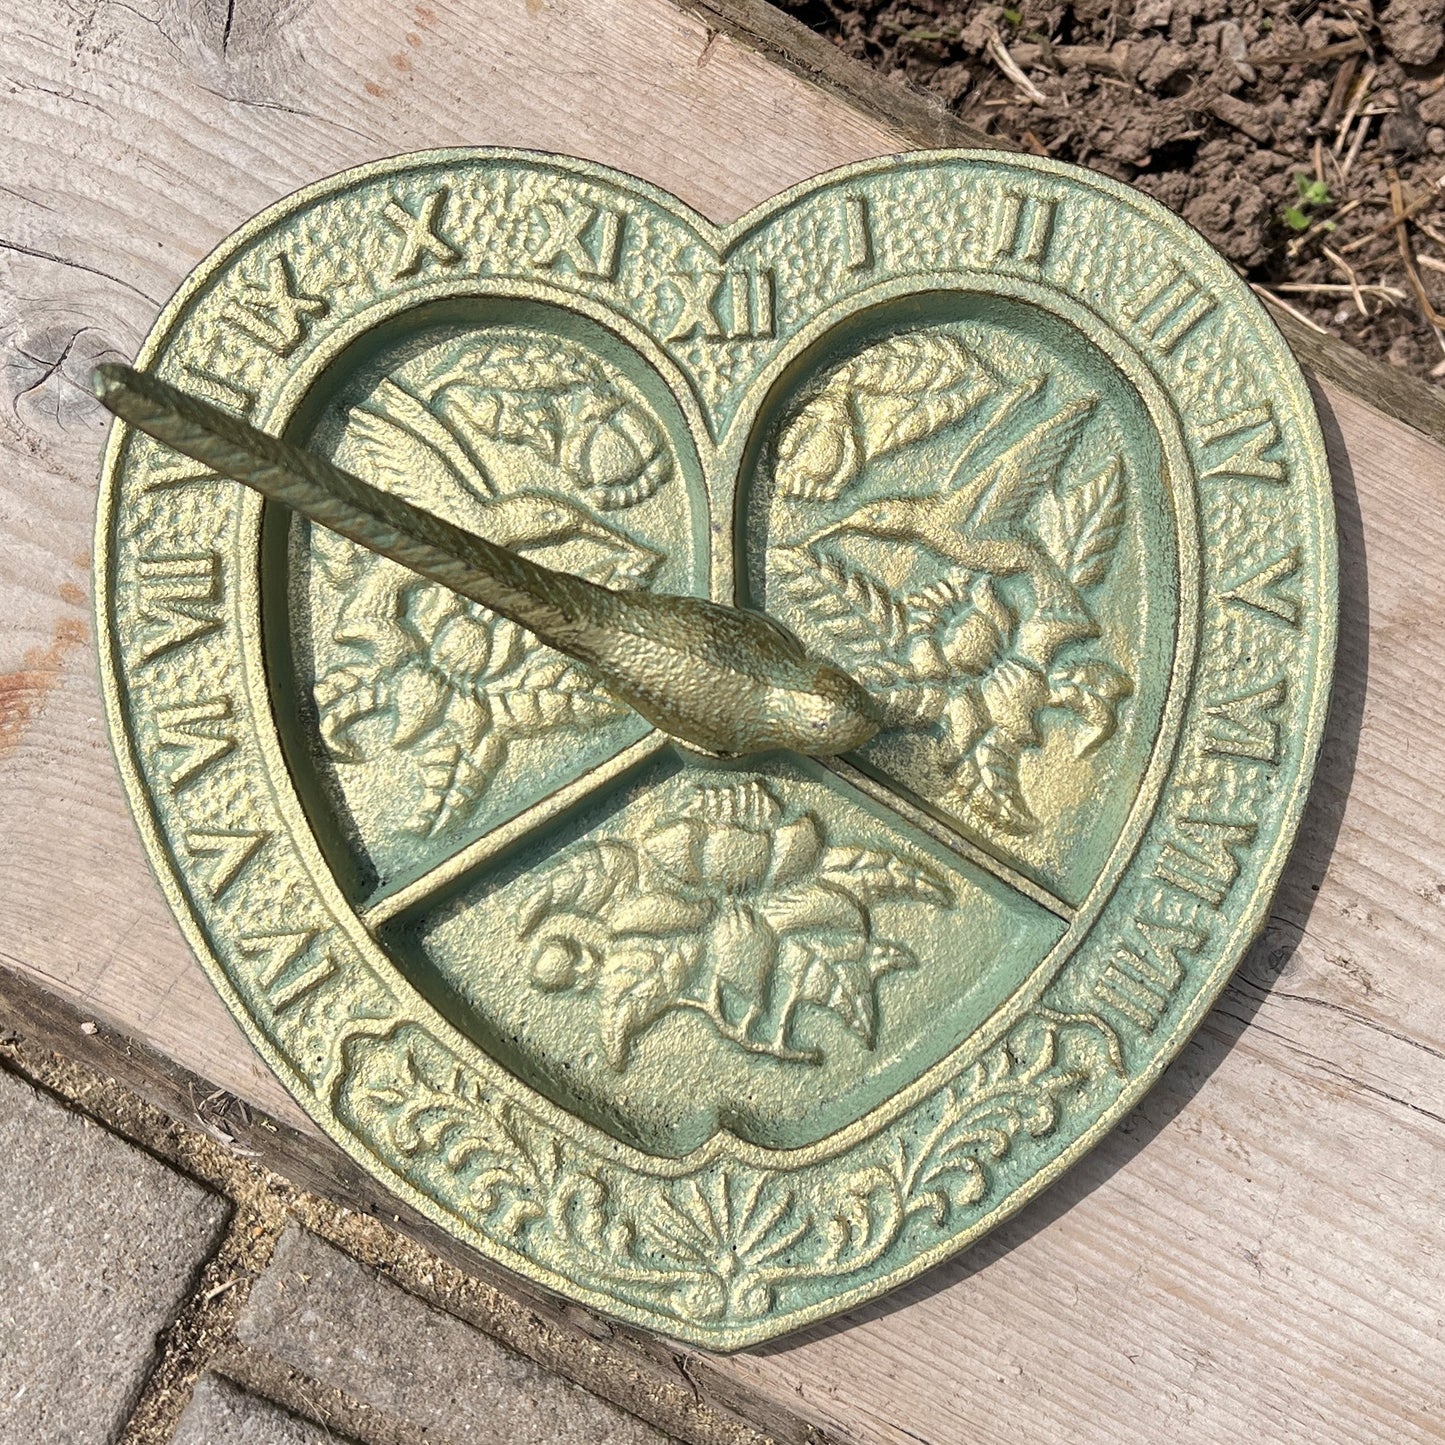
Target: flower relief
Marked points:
734	908
427	674
1018	530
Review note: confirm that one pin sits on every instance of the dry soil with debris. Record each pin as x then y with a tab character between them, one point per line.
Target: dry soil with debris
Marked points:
1307	141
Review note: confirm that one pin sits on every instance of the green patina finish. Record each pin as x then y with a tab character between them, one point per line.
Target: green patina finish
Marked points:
725	681
723	1046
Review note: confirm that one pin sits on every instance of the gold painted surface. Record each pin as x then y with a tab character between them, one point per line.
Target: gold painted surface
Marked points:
960	516
725	680
723	1046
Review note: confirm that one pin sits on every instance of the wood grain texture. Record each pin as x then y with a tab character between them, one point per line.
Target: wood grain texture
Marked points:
1258	1253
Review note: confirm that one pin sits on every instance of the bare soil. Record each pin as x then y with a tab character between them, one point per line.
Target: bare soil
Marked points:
1307	141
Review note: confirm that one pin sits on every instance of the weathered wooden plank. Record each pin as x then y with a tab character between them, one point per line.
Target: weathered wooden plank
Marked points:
1269	1266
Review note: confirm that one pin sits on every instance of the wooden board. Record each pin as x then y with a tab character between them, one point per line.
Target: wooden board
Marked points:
1258	1253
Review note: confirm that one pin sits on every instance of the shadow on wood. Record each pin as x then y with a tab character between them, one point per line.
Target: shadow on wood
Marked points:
1266	961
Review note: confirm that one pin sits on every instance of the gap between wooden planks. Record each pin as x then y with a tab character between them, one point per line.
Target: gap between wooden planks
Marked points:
1257	1254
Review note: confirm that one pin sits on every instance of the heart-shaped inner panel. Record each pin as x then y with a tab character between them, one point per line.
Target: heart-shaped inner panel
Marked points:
962	502
425	721
958	499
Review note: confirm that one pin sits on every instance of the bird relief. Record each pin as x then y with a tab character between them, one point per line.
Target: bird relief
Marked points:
422	672
732	907
1015	534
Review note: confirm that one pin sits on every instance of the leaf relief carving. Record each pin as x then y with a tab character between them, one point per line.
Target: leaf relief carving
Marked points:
1004	643
727	1241
428	675
731	908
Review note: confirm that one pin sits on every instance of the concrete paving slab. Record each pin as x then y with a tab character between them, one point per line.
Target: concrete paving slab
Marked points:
222	1414
101	1244
326	1315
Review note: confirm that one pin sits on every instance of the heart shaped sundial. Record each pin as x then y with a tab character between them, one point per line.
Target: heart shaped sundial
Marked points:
721	1045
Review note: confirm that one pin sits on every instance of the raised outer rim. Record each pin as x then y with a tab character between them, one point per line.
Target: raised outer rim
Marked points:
1251	918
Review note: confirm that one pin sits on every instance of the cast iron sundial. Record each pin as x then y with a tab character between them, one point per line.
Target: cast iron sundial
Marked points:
726	1034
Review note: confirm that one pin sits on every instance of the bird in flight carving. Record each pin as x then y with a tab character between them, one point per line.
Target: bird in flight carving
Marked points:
398	438
980	522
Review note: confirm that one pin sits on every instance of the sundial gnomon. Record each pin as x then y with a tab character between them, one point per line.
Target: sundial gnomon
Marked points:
724	1044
